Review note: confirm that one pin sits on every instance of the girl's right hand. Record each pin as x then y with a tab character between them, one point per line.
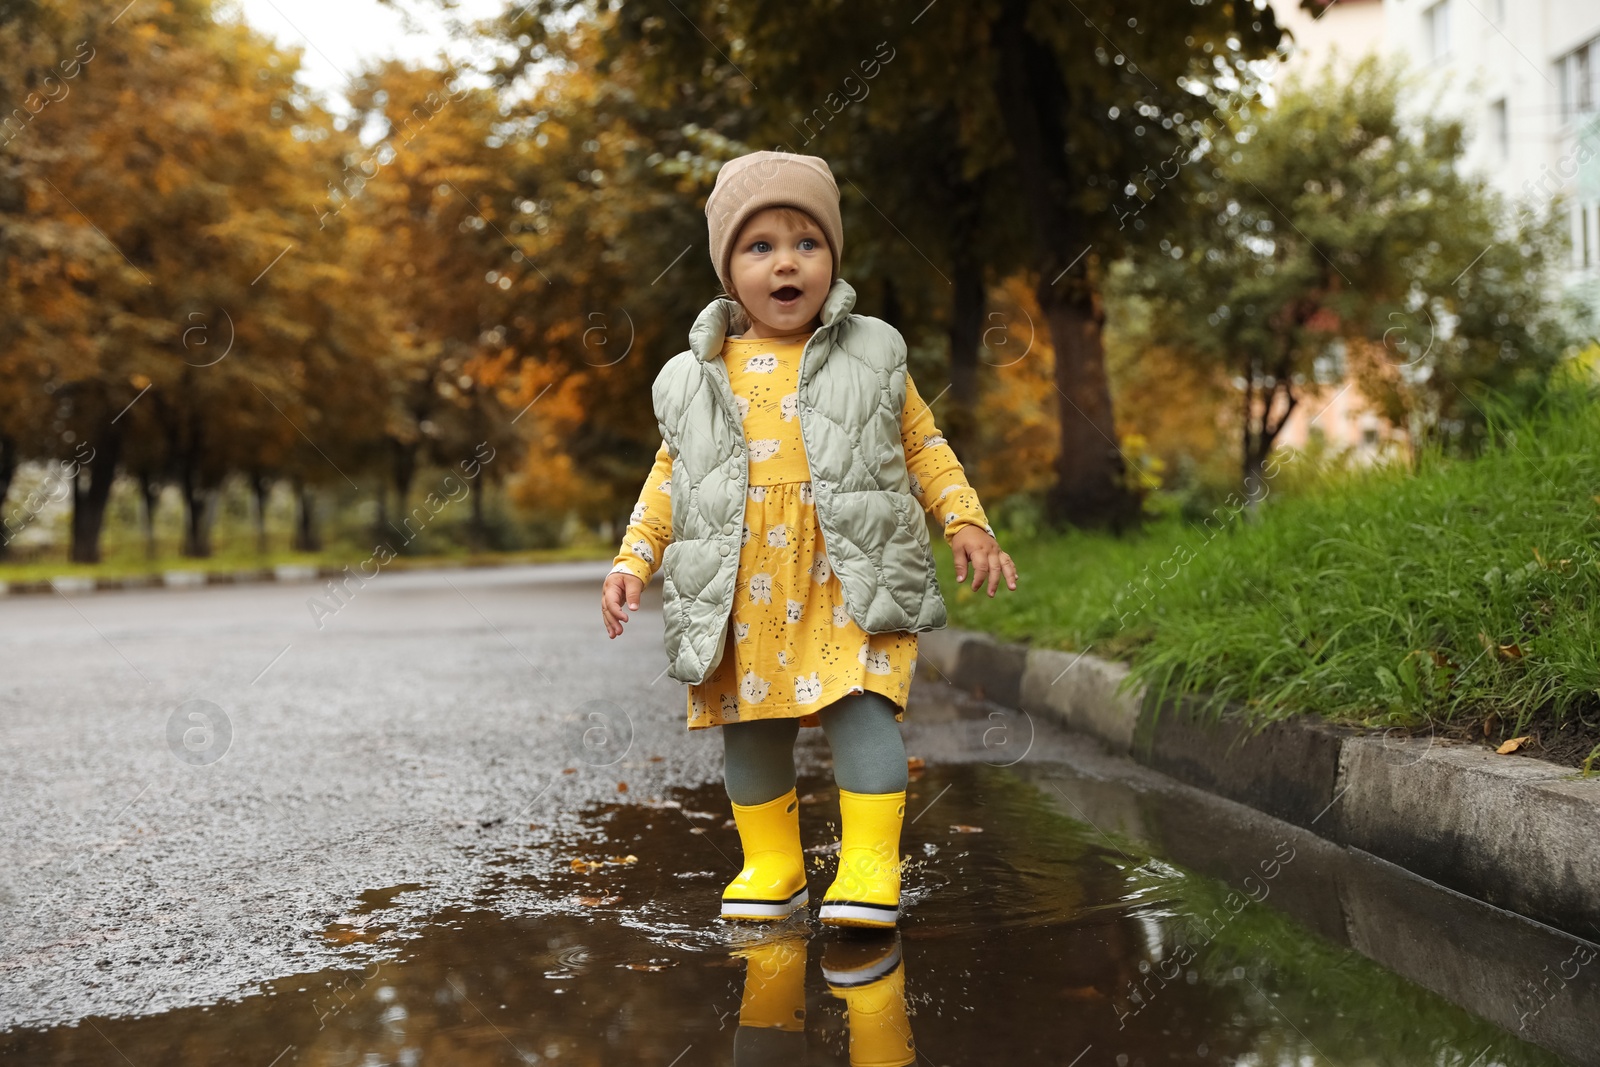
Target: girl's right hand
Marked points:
620	587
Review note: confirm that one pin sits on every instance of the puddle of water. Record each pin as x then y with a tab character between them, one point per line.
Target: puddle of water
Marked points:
1028	937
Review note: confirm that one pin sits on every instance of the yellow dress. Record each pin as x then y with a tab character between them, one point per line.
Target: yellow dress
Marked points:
793	648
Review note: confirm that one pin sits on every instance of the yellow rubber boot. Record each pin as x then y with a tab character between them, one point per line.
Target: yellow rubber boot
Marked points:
866	891
774	984
773	882
871	980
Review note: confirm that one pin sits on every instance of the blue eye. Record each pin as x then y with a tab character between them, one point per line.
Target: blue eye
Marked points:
757	246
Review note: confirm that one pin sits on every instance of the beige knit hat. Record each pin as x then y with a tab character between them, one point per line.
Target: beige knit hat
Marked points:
749	183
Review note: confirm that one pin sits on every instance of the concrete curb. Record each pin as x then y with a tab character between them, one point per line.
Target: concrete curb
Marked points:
1518	833
178	579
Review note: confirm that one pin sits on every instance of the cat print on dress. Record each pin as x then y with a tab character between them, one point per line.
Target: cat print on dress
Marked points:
876	661
789	406
807	689
792	615
820	570
841	615
763	448
765	363
753	688
778	537
761	589
805	494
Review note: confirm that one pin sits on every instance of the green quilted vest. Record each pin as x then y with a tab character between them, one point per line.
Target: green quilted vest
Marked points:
852	390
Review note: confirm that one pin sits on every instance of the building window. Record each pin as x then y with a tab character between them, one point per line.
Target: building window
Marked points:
1436	30
1499	128
1576	71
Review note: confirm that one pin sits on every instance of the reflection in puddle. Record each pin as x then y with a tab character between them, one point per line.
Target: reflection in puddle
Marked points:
1028	937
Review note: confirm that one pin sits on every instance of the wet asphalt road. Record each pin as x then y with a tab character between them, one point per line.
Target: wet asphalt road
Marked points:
151	859
220	825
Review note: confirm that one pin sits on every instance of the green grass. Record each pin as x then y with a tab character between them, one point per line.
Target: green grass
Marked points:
1467	589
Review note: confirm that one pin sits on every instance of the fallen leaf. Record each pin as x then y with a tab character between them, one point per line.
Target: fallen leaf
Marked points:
585	866
961	828
593	902
915	763
622	787
1511	651
623	860
657	759
1513	744
1082	992
570	770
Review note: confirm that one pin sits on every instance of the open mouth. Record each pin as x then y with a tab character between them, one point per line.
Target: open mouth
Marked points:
787	295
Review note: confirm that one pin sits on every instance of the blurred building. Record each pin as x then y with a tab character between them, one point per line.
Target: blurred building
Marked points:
1525	75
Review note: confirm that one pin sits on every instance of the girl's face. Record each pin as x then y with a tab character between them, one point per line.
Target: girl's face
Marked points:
782	269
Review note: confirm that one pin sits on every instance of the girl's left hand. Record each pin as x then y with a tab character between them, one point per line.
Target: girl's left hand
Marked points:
972	544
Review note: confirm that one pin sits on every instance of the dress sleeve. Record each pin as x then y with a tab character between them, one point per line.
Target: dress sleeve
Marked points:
650	526
937	478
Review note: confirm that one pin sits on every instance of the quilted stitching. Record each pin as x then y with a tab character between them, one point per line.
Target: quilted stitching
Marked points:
878	544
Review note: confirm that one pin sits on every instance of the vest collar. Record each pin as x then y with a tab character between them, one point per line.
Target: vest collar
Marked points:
710	328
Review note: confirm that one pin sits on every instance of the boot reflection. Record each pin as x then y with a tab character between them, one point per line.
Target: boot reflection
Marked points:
867	973
772	1011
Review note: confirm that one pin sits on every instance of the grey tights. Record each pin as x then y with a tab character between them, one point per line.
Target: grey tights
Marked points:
868	754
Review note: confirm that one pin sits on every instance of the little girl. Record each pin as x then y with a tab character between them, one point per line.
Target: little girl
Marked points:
785	509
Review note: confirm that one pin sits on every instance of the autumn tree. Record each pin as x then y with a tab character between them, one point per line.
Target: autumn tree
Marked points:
165	239
1057	114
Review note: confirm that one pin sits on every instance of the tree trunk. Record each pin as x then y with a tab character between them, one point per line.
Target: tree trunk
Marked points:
381	525
477	529
405	472
1091	489
891	304
199	505
306	538
89	503
150	497
8	471
960	423
261	486
1261	430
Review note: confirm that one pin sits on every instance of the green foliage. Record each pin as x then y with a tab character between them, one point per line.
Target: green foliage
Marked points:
1386	598
1338	230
